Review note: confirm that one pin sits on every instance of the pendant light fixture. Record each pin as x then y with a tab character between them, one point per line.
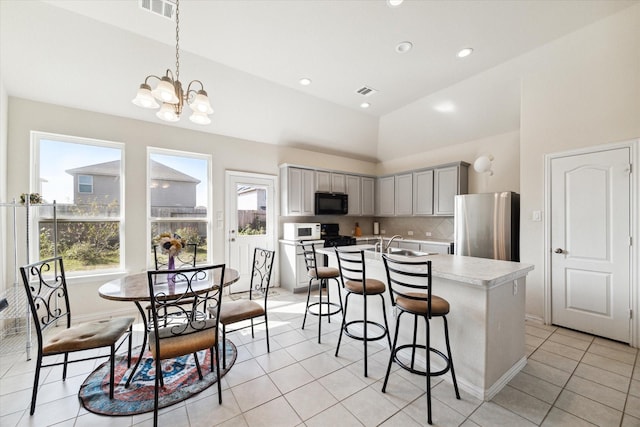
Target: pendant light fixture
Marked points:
170	94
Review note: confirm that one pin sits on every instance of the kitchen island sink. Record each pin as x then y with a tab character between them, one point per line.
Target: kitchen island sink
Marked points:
486	319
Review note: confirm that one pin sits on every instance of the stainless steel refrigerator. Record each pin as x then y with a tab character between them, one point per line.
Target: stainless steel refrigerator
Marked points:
487	225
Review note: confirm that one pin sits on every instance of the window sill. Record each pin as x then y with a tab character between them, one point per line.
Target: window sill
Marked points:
97	277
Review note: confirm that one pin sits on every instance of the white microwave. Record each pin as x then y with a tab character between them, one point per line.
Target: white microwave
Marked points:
301	231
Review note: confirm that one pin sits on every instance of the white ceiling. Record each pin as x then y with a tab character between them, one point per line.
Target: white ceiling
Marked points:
251	54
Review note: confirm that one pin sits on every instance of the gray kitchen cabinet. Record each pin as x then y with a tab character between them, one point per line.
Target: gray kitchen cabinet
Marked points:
404	194
447	183
293	269
354	188
330	182
323	181
412	246
423	192
385	196
368	196
297	189
435	248
338	183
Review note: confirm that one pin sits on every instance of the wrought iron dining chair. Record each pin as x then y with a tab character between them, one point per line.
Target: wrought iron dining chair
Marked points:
410	286
183	333
46	288
242	310
185	259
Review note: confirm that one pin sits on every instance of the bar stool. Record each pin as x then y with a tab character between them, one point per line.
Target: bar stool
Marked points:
321	275
355	282
410	288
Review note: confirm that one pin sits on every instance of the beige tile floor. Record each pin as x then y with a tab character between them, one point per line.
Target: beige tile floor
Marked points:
571	379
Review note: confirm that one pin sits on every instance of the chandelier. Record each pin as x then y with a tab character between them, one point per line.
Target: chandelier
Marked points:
171	95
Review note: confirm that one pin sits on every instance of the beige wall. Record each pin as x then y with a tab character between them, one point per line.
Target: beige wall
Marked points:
227	153
582	90
505	149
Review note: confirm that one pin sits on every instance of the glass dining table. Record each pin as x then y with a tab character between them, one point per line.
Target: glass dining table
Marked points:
135	288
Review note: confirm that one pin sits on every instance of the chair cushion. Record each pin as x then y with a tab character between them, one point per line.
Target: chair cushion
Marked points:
323	273
203	336
235	311
88	335
439	306
374	286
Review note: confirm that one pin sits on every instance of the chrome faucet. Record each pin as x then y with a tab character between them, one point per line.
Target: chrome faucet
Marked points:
387	249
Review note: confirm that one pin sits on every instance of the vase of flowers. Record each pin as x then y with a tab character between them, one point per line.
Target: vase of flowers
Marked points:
170	244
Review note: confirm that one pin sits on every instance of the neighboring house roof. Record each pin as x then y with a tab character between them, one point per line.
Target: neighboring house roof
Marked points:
158	171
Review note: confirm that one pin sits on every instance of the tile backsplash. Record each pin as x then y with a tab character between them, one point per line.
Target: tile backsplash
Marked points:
439	227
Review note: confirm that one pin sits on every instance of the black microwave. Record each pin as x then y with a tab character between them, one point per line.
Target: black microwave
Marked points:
332	204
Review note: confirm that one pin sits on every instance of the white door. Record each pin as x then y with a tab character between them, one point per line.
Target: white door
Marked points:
590	242
250	221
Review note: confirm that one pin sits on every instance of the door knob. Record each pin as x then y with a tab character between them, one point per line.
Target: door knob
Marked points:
558	251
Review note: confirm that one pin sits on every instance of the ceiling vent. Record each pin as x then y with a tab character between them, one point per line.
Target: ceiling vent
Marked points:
366	91
165	8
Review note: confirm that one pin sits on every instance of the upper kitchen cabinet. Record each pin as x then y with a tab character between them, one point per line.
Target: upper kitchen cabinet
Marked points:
447	183
385	196
297	191
423	192
368	196
330	182
354	191
404	194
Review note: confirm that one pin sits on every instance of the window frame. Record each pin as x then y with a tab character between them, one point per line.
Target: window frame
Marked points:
36	137
80	184
207	219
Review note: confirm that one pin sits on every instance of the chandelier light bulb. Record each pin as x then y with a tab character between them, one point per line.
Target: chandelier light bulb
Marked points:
144	98
167	113
166	91
201	103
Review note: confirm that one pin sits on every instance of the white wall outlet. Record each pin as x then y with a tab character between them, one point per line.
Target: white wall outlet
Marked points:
427	233
409	233
536	216
383	232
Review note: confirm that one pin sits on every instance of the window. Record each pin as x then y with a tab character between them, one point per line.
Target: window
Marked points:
179	200
252	210
85	184
83	177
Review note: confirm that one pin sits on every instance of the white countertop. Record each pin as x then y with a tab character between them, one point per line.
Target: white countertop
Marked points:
470	270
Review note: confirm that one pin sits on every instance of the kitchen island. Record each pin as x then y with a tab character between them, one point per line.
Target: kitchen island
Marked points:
486	319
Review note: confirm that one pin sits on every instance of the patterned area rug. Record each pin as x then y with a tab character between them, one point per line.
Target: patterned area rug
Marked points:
180	382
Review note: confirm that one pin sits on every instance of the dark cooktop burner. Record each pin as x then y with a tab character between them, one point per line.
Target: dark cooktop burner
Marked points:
330	241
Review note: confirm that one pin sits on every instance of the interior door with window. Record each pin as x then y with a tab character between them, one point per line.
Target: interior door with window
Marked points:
590	242
250	221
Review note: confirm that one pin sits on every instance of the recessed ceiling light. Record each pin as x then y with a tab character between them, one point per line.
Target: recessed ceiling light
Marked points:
365	105
394	3
465	52
305	81
445	107
404	47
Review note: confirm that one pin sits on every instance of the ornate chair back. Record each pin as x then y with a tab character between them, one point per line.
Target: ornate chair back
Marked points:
185	259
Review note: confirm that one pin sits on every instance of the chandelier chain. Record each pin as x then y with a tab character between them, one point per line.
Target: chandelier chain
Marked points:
178	40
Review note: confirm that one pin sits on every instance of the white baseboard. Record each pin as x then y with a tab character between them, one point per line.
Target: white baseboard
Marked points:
504	379
536	319
474	390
